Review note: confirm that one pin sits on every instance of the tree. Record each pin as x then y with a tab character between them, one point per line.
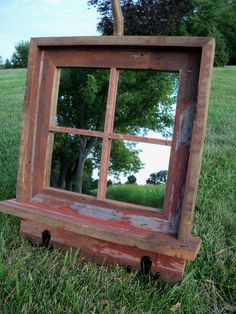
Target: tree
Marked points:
144	17
215	18
1	62
131	179
157	177
7	64
20	56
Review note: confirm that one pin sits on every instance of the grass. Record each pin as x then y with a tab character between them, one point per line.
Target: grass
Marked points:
33	280
12	84
146	195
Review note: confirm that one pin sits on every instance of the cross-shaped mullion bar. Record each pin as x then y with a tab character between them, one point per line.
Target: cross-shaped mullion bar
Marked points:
107	135
108	128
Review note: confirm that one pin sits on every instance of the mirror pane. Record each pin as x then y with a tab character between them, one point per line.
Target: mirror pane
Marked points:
138	173
74	162
82	98
146	103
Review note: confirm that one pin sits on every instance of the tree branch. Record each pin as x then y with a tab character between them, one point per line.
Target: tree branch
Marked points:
118	18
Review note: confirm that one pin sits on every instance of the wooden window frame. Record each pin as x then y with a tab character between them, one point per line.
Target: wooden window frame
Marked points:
165	232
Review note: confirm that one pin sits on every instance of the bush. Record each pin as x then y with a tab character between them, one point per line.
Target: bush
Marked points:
131	179
20	56
222	51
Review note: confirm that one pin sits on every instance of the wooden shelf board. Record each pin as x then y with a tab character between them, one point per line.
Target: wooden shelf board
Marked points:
115	231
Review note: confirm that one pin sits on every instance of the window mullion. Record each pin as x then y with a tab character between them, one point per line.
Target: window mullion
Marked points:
108	128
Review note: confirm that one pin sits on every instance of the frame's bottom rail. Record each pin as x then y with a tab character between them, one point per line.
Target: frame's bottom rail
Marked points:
171	269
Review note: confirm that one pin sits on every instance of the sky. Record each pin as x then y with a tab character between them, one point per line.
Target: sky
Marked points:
23	19
154	157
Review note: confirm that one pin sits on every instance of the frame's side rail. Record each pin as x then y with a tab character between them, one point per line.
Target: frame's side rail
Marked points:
198	139
28	131
180	150
44	138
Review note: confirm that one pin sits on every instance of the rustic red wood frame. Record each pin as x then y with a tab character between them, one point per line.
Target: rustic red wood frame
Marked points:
119	232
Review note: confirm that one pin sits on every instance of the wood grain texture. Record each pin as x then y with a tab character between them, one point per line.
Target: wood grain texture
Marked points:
180	150
126	208
198	138
141	139
43	139
62	129
118	136
161	59
112	230
108	127
171	269
52	117
146	41
28	131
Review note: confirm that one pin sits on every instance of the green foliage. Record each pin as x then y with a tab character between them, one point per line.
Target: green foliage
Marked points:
124	158
7	64
143	17
131	179
221	52
20	56
1	62
144	102
158	177
216	18
82	98
186	18
33	279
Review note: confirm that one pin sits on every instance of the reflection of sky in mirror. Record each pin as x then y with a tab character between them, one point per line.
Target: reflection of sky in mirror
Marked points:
153	162
154	157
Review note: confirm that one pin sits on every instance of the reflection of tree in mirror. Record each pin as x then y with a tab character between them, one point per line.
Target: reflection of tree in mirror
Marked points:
66	160
144	103
158	177
131	179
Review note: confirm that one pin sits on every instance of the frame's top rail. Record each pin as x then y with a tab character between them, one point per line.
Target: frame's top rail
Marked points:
142	41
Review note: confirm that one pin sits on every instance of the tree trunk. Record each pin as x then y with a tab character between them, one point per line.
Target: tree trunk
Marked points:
85	149
69	179
64	165
118	18
80	171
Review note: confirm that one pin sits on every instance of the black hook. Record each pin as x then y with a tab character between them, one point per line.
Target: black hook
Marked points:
46	238
146	265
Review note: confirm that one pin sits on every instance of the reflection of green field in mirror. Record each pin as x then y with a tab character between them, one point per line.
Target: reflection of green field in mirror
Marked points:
145	195
138	172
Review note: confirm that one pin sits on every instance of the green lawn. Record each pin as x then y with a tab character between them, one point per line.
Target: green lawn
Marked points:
33	280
